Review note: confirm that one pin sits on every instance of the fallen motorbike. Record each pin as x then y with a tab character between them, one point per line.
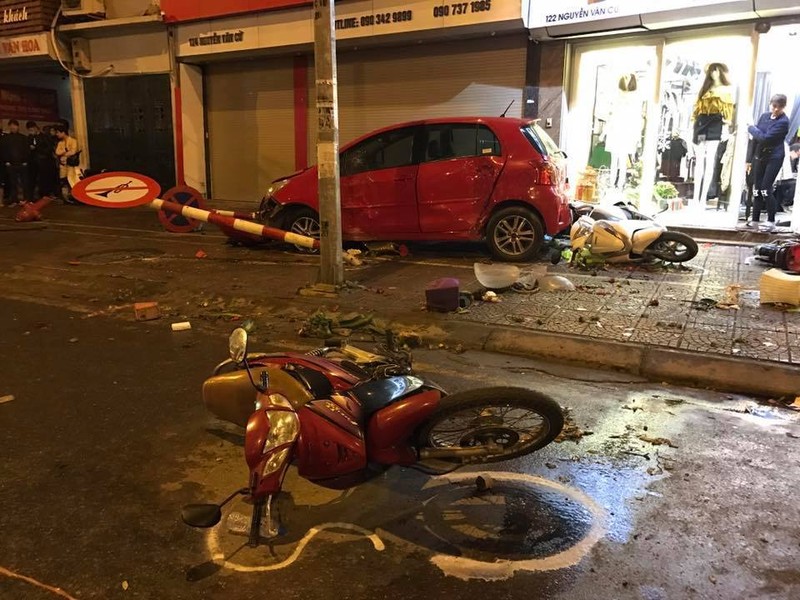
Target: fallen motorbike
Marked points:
609	233
783	254
346	418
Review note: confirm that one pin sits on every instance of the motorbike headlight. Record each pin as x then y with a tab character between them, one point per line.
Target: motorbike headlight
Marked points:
275	462
284	427
277	186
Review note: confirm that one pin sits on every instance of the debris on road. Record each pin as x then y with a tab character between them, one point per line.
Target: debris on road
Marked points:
125	585
182	326
777	287
556	283
657	441
730	298
442	294
322	324
351	257
6	398
146	311
73	340
200	254
571	432
491	297
498	276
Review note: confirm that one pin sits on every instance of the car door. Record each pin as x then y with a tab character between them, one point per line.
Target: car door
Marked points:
460	166
379	185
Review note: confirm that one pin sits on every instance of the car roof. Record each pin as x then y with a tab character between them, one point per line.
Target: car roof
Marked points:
493	122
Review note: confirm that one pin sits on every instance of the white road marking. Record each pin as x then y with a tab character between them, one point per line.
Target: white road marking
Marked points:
55	590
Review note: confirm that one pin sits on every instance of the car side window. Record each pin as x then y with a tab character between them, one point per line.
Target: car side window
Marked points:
386	150
488	144
459	140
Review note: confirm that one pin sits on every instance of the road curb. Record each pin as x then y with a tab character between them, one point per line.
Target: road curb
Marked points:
723	373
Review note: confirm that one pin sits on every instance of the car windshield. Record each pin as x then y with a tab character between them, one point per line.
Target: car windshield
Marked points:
540	140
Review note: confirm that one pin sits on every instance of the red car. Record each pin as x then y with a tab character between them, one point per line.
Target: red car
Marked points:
496	179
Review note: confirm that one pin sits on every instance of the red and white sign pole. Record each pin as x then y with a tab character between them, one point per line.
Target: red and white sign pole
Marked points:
222	220
120	189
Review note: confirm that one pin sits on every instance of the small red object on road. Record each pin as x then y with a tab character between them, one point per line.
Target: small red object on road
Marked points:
201	254
146	311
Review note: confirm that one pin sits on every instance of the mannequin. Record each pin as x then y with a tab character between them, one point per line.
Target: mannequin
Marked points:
624	129
713	114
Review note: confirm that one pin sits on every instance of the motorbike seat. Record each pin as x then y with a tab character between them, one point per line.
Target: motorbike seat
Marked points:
375	395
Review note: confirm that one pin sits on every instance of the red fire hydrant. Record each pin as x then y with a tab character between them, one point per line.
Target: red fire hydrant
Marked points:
32	210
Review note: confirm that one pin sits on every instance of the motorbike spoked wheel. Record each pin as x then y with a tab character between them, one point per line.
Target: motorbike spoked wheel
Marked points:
517	420
673	246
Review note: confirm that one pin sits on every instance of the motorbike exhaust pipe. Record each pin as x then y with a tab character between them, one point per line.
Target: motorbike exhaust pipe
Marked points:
479	451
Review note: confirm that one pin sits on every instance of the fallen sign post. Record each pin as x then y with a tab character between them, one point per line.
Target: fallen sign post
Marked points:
122	189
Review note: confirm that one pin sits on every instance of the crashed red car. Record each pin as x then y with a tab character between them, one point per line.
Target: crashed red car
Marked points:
496	179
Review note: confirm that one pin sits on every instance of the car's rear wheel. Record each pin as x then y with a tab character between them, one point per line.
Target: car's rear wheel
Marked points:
304	221
515	234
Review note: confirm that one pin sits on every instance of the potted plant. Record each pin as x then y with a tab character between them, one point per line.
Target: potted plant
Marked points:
665	194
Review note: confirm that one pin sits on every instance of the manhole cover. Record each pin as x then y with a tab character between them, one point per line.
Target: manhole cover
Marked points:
107	257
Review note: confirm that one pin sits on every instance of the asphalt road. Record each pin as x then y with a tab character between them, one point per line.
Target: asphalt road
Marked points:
106	439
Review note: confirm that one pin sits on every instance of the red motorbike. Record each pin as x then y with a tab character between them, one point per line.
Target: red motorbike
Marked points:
343	415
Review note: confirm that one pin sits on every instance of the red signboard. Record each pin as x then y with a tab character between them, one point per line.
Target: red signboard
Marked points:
36	104
190	10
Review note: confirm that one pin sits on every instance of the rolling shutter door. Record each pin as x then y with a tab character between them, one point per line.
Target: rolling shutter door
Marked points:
250	108
381	87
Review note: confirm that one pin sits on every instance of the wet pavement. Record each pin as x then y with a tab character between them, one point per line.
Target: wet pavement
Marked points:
100	261
659	493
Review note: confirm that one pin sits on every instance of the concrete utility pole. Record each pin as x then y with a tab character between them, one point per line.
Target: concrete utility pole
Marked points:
330	212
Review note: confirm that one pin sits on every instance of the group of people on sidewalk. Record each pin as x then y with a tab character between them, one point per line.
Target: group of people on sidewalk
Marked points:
38	164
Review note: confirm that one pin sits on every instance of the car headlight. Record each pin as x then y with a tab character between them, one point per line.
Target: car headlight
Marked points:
277	186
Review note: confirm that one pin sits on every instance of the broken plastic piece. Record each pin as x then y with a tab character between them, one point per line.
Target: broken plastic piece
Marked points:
496	276
556	283
182	326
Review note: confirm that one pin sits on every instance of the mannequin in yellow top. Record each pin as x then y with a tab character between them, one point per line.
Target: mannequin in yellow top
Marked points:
713	115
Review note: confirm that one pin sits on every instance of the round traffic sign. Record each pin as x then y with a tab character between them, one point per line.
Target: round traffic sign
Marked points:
116	189
185	196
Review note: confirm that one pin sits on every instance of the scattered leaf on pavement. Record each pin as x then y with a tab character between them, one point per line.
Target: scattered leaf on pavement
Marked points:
657	441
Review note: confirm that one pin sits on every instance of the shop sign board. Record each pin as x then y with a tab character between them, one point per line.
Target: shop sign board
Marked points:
24	45
358	19
37	104
194	10
26	16
561	12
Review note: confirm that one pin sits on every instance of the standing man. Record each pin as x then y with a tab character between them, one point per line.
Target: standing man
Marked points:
68	156
767	155
16	154
44	162
33	134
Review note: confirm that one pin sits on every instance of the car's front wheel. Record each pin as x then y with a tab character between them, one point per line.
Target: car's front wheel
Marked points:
515	234
303	221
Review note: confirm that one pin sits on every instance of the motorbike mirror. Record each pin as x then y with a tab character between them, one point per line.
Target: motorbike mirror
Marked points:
201	515
237	345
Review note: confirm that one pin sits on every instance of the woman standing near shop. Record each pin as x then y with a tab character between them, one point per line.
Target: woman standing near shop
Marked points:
765	157
68	156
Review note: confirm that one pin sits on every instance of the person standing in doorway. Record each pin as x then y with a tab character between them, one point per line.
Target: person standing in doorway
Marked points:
767	156
67	153
15	155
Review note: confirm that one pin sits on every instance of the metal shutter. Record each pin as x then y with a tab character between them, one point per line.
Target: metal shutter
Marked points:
383	86
250	109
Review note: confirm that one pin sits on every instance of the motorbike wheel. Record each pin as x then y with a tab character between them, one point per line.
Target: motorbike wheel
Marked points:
519	420
304	221
515	234
674	247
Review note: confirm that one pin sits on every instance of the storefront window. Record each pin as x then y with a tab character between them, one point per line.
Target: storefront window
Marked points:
702	129
606	140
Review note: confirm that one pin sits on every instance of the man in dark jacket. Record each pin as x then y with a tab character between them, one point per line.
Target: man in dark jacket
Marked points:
765	156
44	169
15	154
